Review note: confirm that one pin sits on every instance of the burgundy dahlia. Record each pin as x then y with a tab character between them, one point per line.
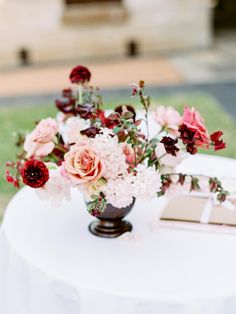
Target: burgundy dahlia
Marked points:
34	173
80	74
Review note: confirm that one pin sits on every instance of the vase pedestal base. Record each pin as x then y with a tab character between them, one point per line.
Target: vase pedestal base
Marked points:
109	229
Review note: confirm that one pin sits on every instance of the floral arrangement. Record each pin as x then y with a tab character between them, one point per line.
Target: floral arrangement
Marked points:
112	158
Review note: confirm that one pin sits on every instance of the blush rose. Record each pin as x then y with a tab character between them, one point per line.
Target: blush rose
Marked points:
82	165
40	141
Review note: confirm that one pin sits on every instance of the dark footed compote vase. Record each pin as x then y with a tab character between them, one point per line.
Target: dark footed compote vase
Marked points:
110	223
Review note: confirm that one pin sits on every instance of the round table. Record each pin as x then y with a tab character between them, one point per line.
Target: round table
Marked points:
51	264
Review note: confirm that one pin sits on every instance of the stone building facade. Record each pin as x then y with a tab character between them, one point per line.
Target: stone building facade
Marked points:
53	30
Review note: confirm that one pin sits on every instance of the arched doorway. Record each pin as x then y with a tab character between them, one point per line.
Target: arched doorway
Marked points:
224	17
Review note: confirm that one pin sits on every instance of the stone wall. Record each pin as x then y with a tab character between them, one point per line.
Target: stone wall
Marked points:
51	31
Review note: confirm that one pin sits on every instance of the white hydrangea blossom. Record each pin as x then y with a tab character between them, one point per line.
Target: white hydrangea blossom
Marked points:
120	192
111	154
147	183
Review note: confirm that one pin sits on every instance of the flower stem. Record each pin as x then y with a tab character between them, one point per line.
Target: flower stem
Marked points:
80	94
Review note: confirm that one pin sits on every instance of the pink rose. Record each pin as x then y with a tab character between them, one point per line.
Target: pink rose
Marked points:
194	124
83	165
169	118
40	141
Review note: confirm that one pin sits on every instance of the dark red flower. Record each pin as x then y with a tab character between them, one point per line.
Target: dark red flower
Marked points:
191	148
92	131
67	92
65	105
169	144
216	141
86	111
34	173
80	74
186	134
188	138
220	145
215	137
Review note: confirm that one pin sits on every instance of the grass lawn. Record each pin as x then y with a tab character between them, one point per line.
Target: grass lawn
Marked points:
21	118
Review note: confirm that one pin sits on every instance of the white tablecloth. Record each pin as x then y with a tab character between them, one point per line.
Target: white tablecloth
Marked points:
51	264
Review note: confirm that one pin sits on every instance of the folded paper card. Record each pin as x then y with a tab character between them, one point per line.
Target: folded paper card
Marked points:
201	209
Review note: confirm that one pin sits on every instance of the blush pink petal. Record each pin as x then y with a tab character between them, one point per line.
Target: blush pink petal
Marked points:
44	149
83	165
169	118
40	141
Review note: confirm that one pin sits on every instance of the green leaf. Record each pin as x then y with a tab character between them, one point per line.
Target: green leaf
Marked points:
194	184
51	167
117	129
